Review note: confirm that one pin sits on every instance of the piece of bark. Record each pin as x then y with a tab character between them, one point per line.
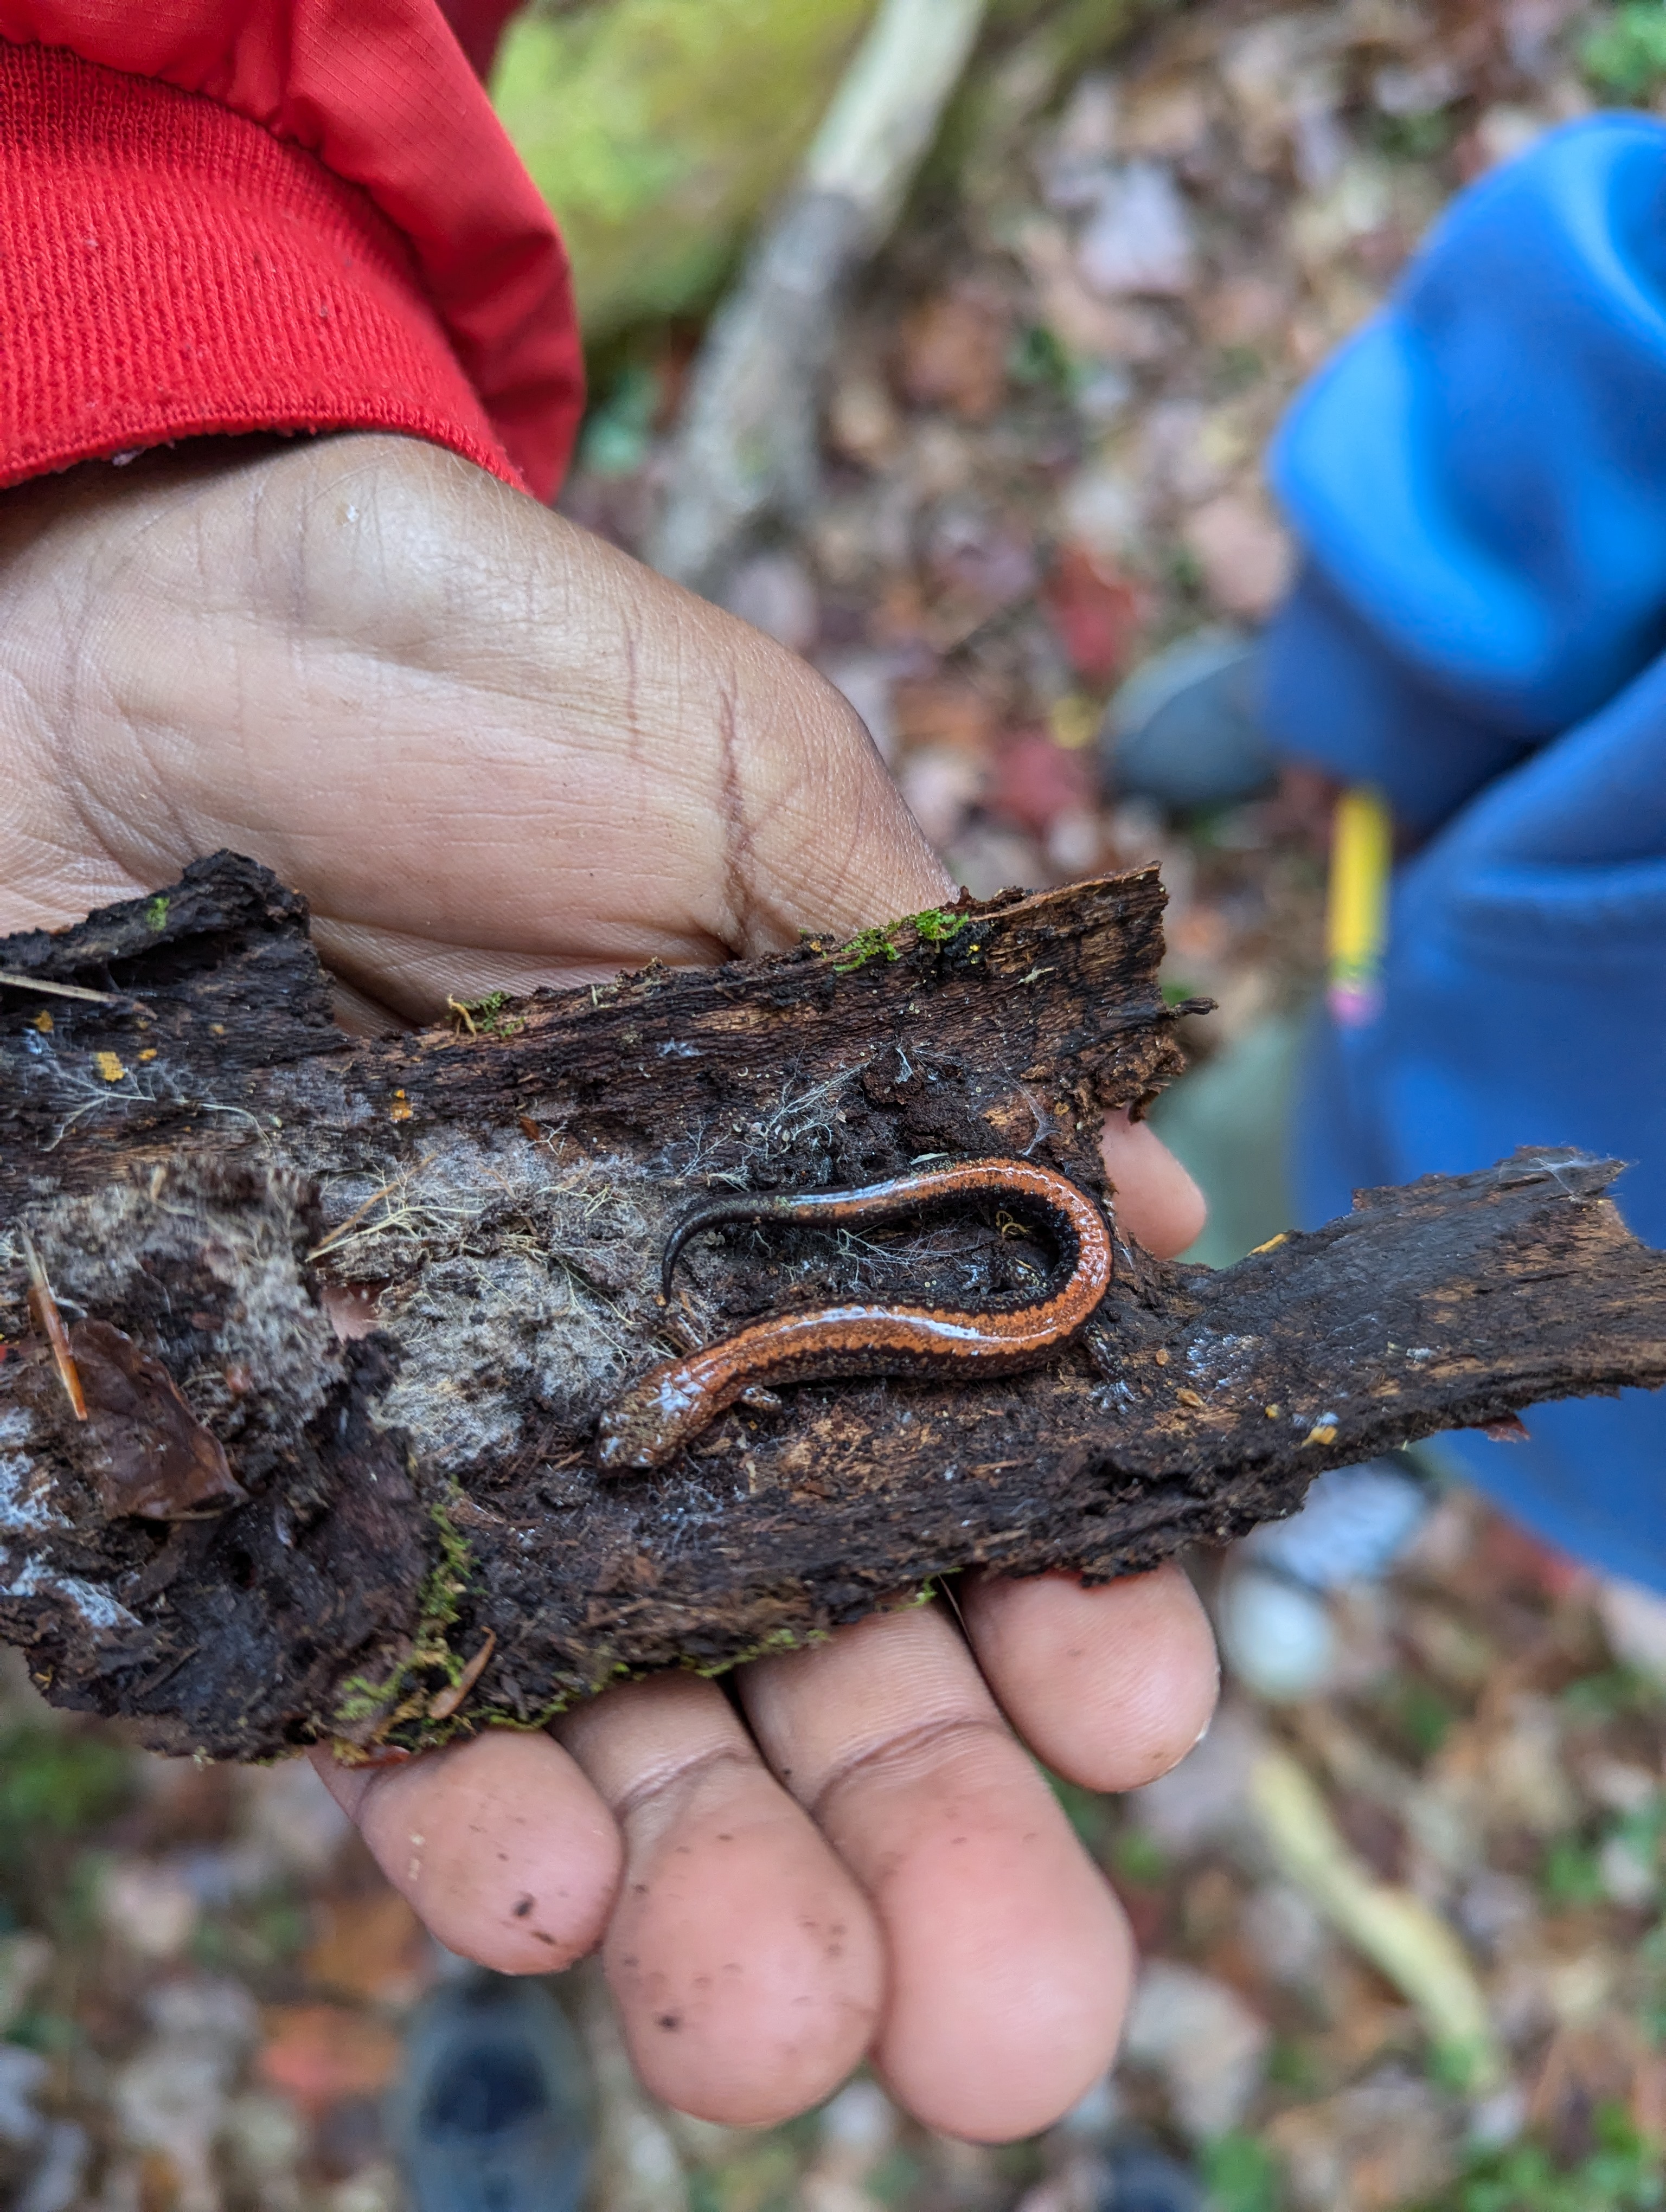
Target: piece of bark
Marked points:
200	1162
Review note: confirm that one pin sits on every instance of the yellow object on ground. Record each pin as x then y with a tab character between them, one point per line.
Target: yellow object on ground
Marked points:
1357	916
1390	1926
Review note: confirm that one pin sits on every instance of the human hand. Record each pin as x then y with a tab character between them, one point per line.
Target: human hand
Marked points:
494	752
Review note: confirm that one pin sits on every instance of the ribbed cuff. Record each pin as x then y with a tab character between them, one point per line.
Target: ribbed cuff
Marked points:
169	269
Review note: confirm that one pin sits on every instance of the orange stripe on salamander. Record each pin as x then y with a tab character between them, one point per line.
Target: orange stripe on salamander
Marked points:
656	1416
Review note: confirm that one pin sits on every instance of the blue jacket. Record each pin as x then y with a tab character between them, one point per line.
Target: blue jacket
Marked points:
1479	482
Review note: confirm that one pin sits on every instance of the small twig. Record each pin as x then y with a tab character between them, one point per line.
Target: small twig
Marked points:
44	1313
444	1703
21	982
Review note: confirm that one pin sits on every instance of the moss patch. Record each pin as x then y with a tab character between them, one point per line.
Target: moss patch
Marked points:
401	1700
659	130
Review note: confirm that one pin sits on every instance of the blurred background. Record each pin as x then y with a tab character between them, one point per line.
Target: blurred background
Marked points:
988	449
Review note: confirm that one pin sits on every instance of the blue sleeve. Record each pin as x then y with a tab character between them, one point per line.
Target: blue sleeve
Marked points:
1478	481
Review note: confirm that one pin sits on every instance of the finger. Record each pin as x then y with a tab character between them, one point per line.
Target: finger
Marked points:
1157	1202
744	1961
1110	1687
1009	1957
503	1847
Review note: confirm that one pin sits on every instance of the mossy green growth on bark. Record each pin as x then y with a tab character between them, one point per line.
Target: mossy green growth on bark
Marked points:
936	925
403	1697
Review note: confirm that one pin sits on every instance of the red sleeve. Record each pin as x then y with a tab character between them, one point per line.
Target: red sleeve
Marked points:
479	25
239	215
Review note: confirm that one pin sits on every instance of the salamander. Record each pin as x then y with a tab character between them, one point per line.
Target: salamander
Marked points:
666	1408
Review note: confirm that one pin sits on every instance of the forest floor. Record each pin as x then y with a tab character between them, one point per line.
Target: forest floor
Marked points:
1044	446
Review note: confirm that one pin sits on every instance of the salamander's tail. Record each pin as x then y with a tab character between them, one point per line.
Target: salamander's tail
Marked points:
714	1213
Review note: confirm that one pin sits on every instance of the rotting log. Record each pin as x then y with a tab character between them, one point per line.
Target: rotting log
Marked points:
267	1530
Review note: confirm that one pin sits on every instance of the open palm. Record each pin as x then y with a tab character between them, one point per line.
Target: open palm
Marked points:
493	751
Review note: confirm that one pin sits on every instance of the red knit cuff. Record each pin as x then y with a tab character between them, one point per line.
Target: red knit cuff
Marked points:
170	269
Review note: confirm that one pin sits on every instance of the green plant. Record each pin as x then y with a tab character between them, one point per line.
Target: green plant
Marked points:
1623	2174
867	944
1571	1874
486	1017
55	1784
1240	2174
403	1695
1624	57
936	925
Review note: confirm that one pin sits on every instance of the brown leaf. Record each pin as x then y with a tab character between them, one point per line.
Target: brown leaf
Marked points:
159	1461
954	354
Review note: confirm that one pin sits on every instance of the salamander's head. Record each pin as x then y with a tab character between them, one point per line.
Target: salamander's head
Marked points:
649	1423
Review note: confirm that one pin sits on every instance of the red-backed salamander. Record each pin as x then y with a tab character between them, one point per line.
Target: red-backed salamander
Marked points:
673	1402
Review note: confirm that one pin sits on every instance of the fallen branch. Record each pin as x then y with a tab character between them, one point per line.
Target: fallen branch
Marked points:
747	446
263	1532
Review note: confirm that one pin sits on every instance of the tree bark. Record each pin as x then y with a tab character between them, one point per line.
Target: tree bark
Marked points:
263	1533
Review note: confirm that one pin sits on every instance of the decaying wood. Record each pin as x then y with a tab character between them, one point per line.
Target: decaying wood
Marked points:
266	1530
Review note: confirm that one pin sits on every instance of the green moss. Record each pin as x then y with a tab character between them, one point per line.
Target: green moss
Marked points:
658	131
867	944
155	914
766	1647
935	925
403	1696
487	1018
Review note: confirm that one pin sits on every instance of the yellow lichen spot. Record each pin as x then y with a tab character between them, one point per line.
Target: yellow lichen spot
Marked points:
1273	1411
149	1053
43	1022
400	1109
216	1029
1321	1433
1188	1397
1272	1242
109	1065
1160	1356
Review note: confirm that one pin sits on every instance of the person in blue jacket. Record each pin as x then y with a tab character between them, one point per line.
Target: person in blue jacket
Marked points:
1477	482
